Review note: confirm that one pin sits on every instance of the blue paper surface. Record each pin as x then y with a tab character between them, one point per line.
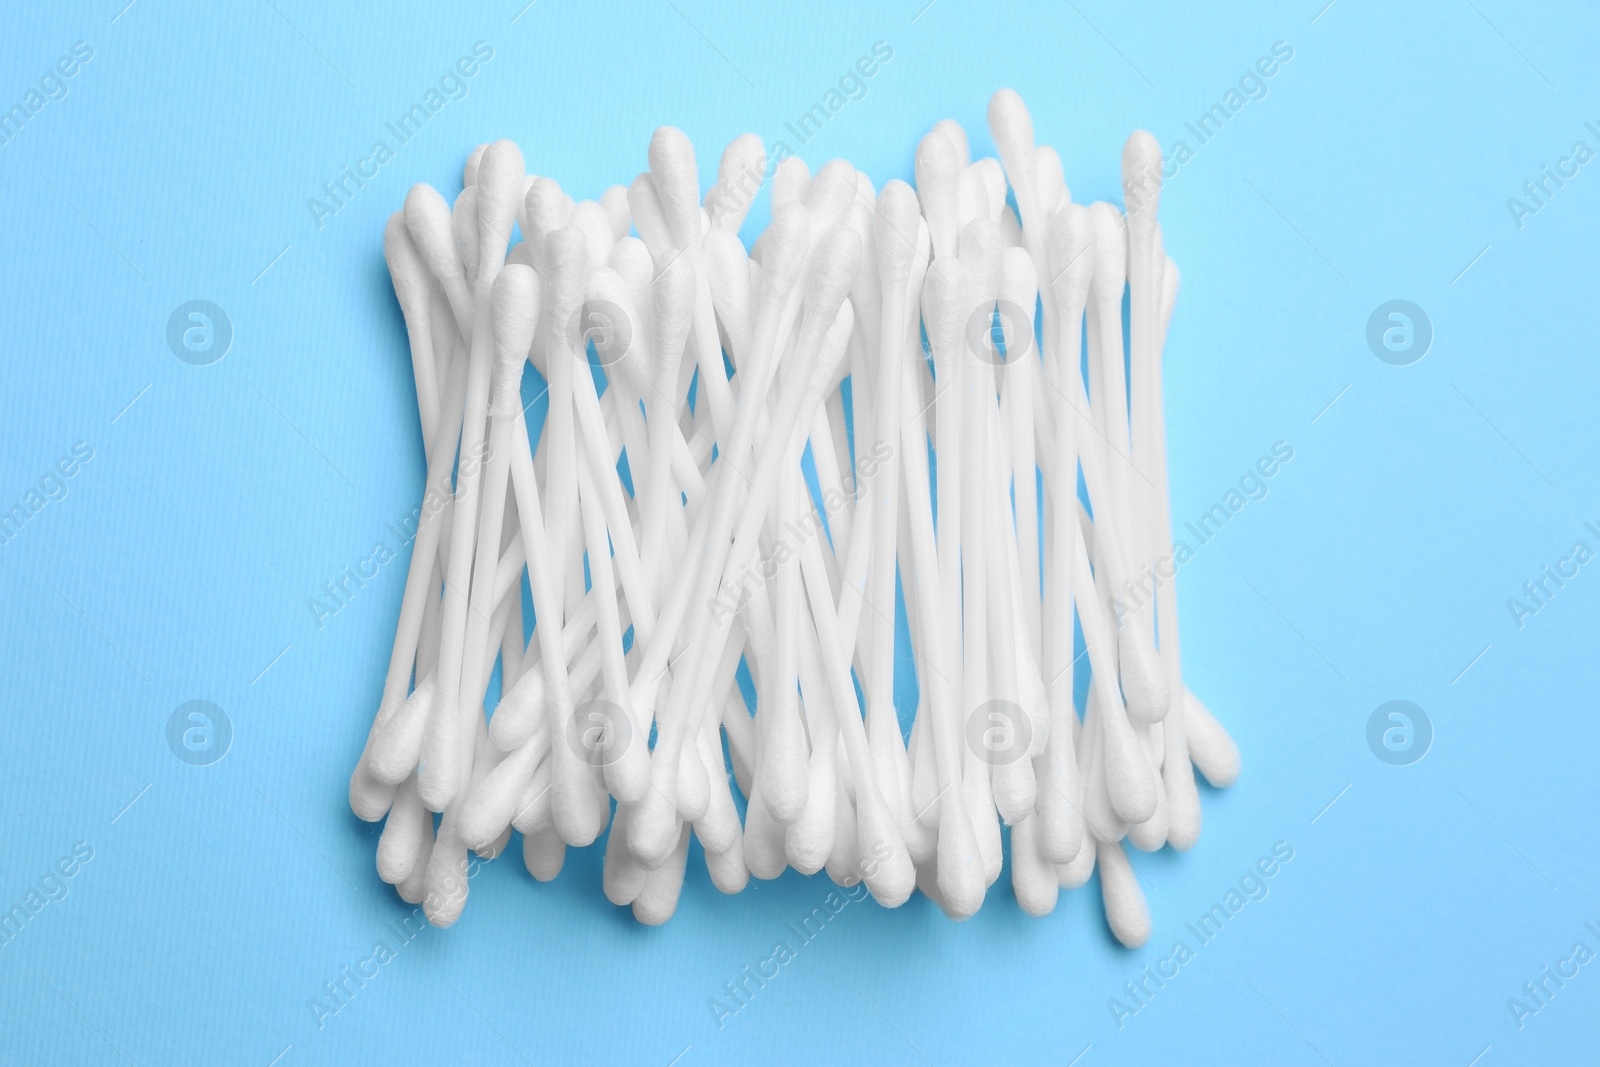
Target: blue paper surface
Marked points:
1427	153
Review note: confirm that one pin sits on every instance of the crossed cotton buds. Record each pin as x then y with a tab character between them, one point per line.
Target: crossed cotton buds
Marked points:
744	457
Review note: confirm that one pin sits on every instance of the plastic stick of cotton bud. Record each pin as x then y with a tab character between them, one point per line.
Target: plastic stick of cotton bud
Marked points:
1012	128
672	314
621	751
1019	381
677	185
944	299
413	288
896	230
1077	241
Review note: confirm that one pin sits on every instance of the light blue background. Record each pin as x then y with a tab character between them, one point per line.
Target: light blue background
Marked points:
179	564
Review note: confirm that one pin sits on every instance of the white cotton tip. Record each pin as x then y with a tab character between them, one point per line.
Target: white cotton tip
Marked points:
544	854
1076	873
1111	252
370	799
1019	280
1184	818
654	826
1210	747
973	197
428	219
1015	790
658	900
1129	783
979	799
898	215
1012	129
1011	229
785	772
865	292
844	862
519	712
1049	180
631	259
402	835
991	187
808	841
566	272
945	311
694	786
980	252
614	322
961	880
413	284
494	849
677	183
740	175
492	802
445	881
784	248
729	873
789	183
1098	813
885	863
621	877
1060	831
1033	879
650	218
1150	835
1169	293
866	192
672	298
439	768
413	887
938	170
830	368
469	172
763	838
545	209
397	742
728	277
957	134
464	228
532	812
614	201
920	258
1141	181
830	195
515	308
833	270
499	188
1144	683
719	827
1070	240
590	218
1126	911
578	807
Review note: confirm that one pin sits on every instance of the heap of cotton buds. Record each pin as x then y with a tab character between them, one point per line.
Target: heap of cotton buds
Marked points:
739	466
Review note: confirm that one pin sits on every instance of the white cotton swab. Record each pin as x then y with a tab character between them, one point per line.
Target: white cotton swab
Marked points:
440	772
676	486
413	287
1126	911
